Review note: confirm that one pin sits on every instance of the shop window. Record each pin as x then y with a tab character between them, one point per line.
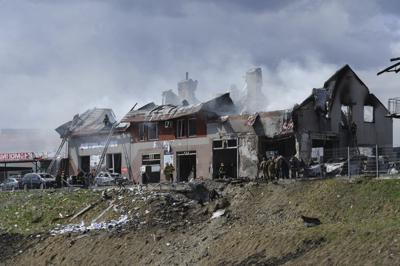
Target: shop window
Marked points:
368	113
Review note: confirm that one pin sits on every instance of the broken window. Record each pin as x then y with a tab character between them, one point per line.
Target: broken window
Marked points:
181	127
141	132
148	131
368	113
345	110
152	131
192	127
113	162
217	144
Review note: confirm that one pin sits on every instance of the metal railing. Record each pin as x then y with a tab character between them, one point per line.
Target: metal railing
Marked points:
368	161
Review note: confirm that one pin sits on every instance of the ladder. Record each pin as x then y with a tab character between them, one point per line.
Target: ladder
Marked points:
51	165
104	152
74	123
128	162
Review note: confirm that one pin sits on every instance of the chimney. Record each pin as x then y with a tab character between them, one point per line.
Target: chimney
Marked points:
187	90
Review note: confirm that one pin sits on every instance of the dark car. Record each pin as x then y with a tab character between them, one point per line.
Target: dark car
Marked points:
10	183
38	180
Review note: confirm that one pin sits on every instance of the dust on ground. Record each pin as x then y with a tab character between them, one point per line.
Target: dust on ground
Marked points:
260	225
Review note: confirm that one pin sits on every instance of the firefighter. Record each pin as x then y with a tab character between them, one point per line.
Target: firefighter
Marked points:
294	166
169	172
264	168
221	171
272	168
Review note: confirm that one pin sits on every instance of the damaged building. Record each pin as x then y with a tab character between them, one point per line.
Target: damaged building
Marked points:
197	138
343	113
87	135
186	93
175	134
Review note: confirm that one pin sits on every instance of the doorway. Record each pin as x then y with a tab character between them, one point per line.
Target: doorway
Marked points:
85	164
225	152
152	164
186	165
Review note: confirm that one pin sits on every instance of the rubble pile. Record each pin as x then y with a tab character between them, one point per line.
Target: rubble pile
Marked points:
137	207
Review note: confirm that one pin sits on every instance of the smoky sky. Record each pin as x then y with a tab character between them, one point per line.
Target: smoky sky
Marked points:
59	58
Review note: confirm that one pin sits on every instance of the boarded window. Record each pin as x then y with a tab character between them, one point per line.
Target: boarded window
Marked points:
192	127
368	113
181	128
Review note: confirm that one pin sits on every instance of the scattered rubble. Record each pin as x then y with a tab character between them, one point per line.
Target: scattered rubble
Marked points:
82	228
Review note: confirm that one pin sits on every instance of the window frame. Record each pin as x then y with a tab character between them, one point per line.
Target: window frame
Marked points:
144	132
194	119
373	114
180	128
156	130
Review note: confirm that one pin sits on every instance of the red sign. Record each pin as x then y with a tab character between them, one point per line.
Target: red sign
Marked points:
17	156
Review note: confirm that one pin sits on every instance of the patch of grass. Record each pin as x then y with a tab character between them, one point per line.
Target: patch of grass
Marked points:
37	211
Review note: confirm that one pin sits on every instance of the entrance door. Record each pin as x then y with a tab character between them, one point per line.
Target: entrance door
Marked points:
186	165
225	152
85	164
153	168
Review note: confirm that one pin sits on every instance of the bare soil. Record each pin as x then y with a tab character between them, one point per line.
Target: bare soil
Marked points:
261	226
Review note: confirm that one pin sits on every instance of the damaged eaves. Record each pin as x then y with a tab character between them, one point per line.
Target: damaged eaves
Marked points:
213	108
92	121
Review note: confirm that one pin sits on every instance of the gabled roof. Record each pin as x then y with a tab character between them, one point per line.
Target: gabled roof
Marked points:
220	105
89	122
332	84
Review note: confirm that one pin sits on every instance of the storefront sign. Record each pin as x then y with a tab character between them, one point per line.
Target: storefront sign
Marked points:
17	156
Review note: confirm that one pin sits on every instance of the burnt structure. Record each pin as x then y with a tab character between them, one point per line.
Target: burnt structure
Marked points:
87	139
186	93
174	134
198	138
340	114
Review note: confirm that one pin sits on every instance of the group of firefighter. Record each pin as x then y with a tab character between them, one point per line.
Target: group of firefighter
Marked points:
278	167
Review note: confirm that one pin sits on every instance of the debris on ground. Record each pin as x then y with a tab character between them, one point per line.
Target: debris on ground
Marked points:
310	222
82	228
218	213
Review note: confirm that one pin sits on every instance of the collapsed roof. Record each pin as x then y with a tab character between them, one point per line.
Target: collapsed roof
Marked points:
272	124
220	105
323	97
93	121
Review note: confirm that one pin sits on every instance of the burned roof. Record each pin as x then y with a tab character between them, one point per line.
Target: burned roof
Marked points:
90	122
220	105
272	124
326	95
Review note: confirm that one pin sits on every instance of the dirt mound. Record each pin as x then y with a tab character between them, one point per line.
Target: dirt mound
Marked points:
261	225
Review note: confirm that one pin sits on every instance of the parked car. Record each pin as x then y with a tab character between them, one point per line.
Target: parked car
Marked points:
10	183
38	180
106	179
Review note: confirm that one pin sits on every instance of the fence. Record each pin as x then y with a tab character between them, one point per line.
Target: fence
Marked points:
372	161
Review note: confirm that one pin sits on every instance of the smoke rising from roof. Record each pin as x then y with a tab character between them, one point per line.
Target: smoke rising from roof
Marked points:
59	58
